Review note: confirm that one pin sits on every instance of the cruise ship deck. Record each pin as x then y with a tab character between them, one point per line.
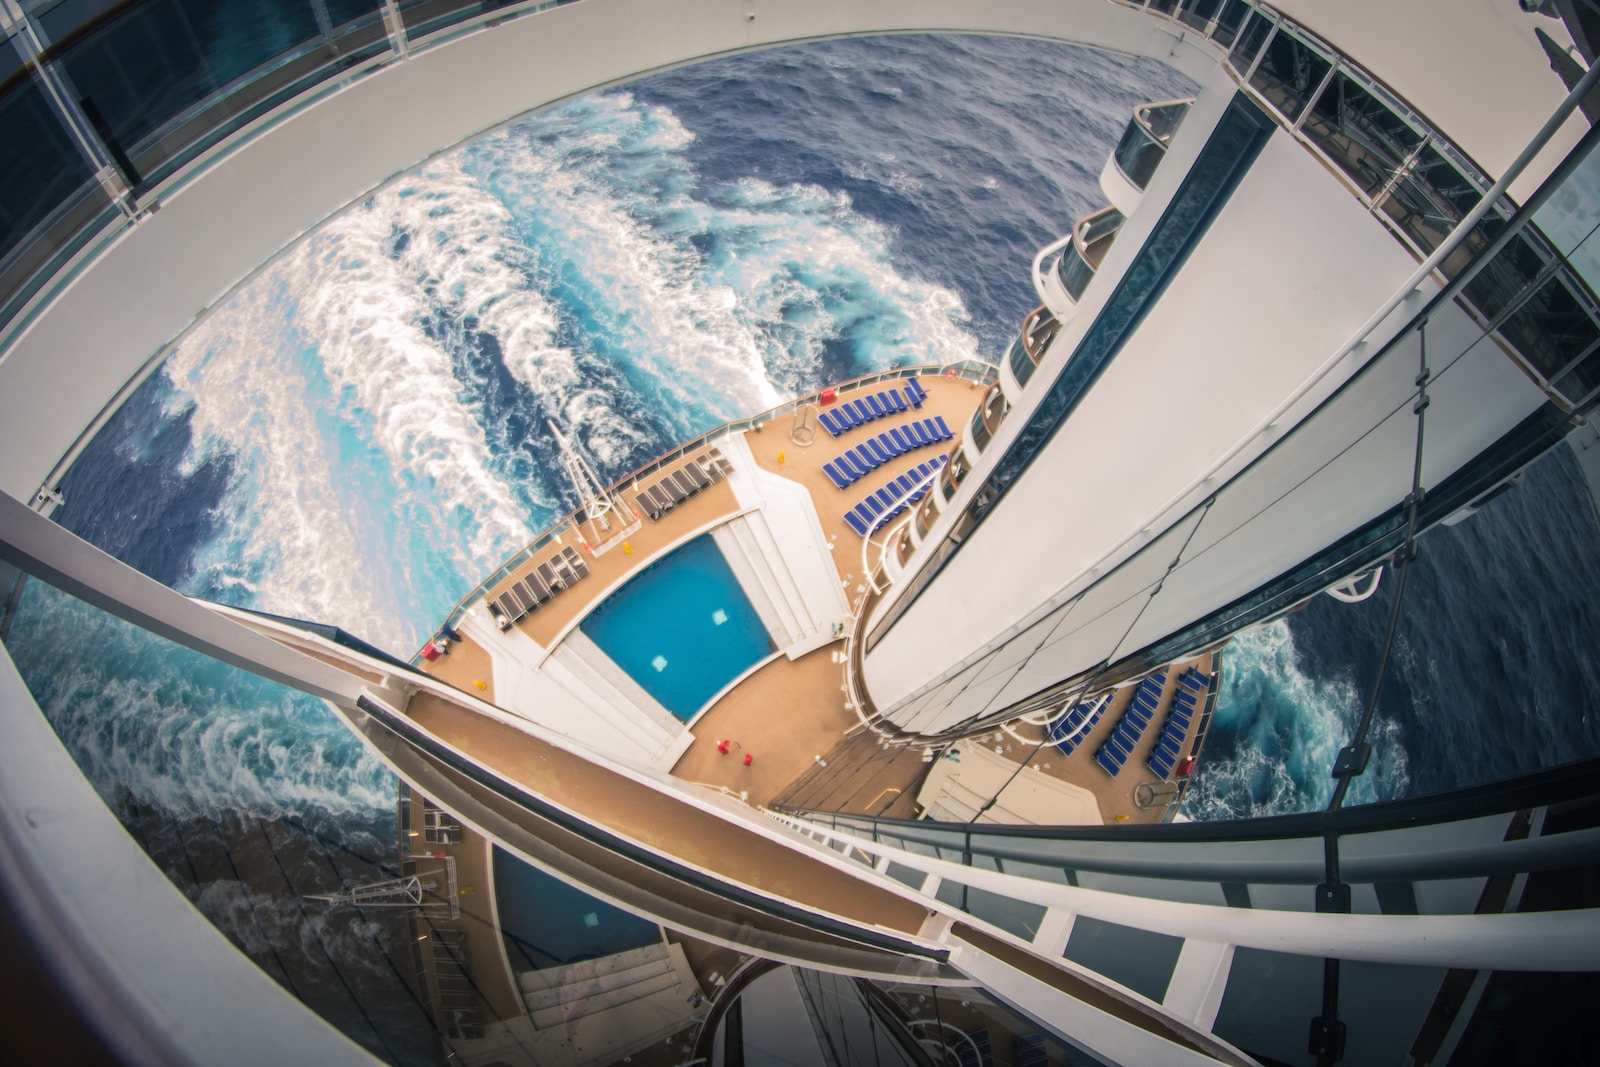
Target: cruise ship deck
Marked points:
790	715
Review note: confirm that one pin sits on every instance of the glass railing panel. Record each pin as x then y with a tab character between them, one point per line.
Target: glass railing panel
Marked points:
1271	998
47	188
1141	960
979	432
1138	154
1249	42
429	16
1166	7
1074	272
1362	136
1228	23
1022	365
170	77
1290	71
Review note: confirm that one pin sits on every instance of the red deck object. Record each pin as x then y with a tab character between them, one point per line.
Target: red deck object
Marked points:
1185	767
748	759
722	747
430	653
827	396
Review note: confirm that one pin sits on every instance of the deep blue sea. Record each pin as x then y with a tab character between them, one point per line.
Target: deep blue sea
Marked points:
358	435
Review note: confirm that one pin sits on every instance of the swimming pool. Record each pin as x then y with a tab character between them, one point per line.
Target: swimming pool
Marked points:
546	922
682	629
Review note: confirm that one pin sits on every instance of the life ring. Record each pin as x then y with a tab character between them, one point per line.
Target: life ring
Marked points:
951	373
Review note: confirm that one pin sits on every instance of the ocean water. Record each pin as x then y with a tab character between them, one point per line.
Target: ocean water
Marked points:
358	435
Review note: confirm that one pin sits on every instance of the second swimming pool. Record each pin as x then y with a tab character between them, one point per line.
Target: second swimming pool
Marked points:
682	628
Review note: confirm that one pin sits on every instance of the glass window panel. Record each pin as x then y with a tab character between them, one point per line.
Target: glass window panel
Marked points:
1359	133
1582	380
1249	42
1233	13
1430	200
1198	13
1139	959
1502	281
1163	6
1552	328
1289	72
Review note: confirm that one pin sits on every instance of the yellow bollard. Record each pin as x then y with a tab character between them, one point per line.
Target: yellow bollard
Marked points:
482	685
780	455
627	549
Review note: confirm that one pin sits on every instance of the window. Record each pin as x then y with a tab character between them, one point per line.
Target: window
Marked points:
1249	42
1362	136
1289	73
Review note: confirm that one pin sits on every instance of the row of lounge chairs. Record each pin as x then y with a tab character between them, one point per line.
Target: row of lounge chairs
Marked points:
895	497
1068	731
873	453
1114	752
1169	747
536	588
673	488
872	407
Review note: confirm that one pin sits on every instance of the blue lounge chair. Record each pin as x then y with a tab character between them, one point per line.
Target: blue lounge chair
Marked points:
1107	763
932	430
918	433
916	392
831	423
863	458
856	522
896	402
874	508
886	446
897	435
866	413
847	412
878	410
878	452
834	476
846	462
945	434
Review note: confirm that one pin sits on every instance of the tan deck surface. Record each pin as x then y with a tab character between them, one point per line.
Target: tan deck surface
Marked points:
782	716
659	821
954	399
1114	795
787	714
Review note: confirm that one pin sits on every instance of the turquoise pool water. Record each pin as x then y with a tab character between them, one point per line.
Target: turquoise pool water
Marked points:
682	628
546	922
